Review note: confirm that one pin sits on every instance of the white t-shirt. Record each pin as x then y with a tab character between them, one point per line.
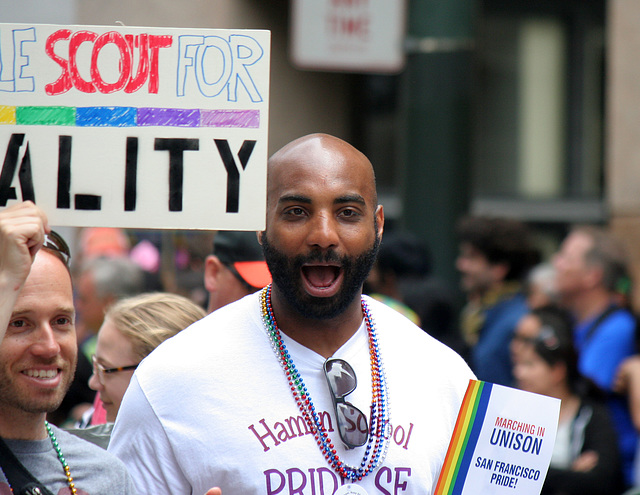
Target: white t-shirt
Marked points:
562	456
212	407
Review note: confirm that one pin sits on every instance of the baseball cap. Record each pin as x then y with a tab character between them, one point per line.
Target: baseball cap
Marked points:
242	250
96	242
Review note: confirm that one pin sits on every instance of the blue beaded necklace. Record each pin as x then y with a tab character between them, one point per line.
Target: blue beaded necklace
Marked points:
377	446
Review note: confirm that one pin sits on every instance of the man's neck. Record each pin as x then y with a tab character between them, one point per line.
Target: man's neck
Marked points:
498	291
590	304
322	336
20	425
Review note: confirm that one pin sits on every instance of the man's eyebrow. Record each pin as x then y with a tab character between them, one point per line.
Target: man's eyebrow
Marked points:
20	312
27	311
350	198
294	198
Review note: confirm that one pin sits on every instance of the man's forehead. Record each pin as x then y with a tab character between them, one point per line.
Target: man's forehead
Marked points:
48	275
309	183
45	296
578	242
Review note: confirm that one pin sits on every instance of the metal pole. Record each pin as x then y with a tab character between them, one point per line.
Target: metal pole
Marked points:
436	89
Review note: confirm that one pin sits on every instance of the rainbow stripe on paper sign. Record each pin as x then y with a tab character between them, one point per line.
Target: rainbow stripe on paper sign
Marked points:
464	438
128	117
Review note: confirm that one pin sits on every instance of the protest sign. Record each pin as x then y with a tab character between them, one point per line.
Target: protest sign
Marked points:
135	127
502	442
348	35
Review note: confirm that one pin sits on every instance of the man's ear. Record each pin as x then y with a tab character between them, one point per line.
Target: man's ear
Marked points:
380	219
212	266
259	235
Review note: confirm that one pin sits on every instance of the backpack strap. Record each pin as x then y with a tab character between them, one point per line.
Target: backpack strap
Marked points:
20	479
598	321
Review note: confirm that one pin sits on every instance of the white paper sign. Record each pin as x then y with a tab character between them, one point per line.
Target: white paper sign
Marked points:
135	127
348	35
502	442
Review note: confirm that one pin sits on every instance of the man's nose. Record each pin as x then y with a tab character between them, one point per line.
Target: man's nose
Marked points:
46	344
323	232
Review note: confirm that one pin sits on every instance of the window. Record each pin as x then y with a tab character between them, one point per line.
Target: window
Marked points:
538	110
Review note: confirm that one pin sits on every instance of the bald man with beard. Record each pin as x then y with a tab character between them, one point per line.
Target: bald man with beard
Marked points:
263	396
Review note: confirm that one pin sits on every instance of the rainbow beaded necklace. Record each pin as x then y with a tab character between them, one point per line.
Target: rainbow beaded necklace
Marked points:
63	461
65	466
377	446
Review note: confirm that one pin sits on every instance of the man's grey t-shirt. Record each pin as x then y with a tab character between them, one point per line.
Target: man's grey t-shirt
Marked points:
94	470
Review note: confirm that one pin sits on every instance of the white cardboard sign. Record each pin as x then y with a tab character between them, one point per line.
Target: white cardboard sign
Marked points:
135	127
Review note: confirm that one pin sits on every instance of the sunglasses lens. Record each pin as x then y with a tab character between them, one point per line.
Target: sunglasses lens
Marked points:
548	338
54	242
352	424
523	339
341	377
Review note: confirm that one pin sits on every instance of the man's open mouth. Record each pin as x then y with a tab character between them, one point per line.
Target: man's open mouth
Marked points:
322	280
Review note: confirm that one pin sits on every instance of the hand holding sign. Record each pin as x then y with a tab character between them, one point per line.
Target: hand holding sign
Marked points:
502	442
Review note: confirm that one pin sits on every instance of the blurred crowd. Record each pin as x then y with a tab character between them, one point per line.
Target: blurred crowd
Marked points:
122	275
559	324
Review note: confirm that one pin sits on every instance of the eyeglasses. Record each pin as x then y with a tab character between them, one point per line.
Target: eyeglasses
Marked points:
54	242
524	340
546	337
352	423
100	370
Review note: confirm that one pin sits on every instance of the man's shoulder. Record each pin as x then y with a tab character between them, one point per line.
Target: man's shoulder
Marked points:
78	450
93	467
512	307
96	434
388	315
514	301
230	327
407	338
235	311
217	324
76	444
620	319
621	315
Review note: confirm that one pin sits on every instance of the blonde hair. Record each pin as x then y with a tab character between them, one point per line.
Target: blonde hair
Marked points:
149	319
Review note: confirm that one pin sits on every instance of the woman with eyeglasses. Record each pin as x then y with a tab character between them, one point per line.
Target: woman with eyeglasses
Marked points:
132	328
585	460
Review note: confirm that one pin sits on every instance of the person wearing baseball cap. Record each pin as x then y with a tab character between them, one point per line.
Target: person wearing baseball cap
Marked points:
235	269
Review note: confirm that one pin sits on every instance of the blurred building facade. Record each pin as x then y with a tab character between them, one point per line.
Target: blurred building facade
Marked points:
524	108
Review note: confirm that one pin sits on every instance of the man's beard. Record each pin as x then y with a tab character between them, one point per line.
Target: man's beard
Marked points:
21	398
286	273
